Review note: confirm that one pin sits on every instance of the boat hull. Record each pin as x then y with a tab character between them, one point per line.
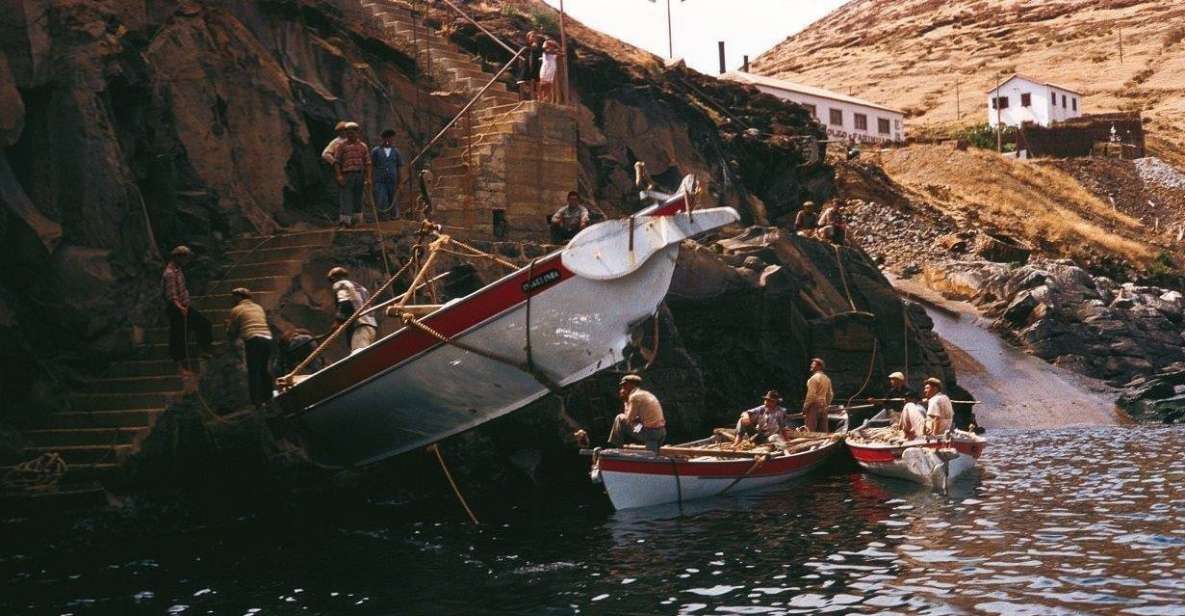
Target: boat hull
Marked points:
635	479
420	390
890	460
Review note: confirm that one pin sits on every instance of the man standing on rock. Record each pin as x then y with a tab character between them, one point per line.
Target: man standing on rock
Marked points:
386	161
185	322
569	220
349	297
248	322
642	419
818	398
353	176
940	414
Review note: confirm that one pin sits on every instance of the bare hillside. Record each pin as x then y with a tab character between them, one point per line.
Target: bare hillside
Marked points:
937	58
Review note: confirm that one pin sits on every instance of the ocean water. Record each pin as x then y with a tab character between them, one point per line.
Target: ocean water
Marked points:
1065	521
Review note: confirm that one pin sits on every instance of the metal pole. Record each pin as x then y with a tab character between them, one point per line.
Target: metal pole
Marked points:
958	111
999	135
745	65
670	39
720	48
563	54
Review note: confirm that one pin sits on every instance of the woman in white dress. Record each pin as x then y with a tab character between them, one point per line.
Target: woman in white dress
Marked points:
547	71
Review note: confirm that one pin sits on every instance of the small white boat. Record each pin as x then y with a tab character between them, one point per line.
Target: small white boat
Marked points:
568	315
634	477
933	461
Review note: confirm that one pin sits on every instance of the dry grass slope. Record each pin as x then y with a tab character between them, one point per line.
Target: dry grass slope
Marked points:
1043	205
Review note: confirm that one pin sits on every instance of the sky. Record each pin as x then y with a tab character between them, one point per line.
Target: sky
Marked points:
746	26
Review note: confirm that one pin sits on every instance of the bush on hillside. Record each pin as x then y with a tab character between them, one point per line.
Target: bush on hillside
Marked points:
983	136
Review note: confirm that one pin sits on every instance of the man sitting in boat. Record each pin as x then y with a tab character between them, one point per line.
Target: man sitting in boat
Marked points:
765	422
913	417
940	414
642	420
569	220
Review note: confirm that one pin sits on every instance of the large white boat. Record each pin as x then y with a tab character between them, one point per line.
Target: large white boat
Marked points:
565	316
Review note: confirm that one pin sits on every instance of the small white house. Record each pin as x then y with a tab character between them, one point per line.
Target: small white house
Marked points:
846	117
1021	99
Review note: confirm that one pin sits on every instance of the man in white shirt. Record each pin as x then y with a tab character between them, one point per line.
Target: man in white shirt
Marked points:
913	417
940	415
349	297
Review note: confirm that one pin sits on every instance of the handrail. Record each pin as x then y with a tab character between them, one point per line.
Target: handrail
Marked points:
479	26
465	109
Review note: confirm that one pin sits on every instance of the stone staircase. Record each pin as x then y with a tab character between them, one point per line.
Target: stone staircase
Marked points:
108	419
510	160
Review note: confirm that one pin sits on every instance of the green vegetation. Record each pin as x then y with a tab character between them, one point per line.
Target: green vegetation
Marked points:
983	136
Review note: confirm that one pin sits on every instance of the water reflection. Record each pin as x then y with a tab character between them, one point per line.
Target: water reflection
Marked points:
1057	522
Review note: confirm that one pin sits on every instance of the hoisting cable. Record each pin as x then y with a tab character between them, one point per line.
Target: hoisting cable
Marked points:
434	448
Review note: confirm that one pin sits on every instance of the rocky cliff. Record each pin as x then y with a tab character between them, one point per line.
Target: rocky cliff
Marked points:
130	127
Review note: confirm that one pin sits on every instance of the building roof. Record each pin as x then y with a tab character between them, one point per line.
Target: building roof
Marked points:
790	86
1034	80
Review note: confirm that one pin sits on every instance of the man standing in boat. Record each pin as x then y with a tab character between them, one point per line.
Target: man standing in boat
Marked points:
818	398
765	422
940	414
349	297
642	420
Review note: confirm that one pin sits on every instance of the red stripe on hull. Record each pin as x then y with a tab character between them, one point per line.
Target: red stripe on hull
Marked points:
409	342
731	468
874	455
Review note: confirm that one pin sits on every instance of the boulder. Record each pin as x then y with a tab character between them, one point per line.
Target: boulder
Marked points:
1001	248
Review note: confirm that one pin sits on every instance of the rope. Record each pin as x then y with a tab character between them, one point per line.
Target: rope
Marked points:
457	491
844	277
480	253
678	483
41	473
867	377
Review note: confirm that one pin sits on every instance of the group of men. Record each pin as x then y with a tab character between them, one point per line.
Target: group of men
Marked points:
248	323
642	419
829	225
357	166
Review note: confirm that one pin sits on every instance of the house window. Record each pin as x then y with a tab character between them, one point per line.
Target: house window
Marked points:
882	126
836	117
1063	101
1074	103
1026	100
1000	102
861	121
812	109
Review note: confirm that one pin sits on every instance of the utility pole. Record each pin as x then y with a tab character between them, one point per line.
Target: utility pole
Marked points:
999	135
564	50
670	36
720	48
958	110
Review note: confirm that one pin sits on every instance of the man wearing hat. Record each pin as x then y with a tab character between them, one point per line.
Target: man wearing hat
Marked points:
940	414
642	419
913	417
348	297
818	398
329	154
386	161
764	422
806	222
248	322
185	322
353	171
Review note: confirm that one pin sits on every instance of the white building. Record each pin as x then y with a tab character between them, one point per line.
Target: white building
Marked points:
846	117
1021	99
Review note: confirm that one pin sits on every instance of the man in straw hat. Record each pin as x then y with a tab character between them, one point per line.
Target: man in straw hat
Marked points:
818	398
940	414
329	154
248	322
185	322
642	418
354	170
765	422
348	297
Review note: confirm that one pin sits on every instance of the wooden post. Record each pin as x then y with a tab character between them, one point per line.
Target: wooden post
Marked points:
720	49
996	102
563	54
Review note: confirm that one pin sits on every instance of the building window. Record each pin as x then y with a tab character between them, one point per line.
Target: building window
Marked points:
897	124
1074	103
1000	102
882	126
1063	101
836	117
861	121
1026	100
812	109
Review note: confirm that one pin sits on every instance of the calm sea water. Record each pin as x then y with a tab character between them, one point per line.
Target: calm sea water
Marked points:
1071	521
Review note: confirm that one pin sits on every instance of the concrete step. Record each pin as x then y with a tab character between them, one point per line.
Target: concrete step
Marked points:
160	335
266	255
122	401
140	384
283	267
227	300
67	495
136	418
85	454
141	367
72	437
160	351
258	283
299	238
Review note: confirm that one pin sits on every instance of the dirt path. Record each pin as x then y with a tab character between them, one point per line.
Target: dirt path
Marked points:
1017	389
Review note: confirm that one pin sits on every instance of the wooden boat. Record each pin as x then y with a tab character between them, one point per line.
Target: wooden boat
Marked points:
635	477
563	318
933	461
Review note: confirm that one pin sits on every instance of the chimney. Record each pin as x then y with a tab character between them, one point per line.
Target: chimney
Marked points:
745	64
720	44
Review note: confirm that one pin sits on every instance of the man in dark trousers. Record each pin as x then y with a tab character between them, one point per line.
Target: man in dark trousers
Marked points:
248	322
353	171
386	161
185	322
